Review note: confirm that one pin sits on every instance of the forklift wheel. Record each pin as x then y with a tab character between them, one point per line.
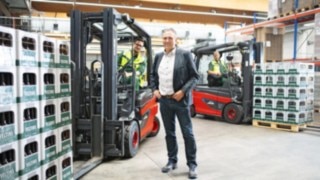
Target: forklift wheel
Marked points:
132	139
155	128
192	111
233	113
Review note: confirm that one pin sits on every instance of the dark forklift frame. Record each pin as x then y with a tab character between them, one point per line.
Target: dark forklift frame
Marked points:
244	102
105	127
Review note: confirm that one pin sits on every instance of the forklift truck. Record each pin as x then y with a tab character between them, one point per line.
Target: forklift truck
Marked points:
233	100
109	119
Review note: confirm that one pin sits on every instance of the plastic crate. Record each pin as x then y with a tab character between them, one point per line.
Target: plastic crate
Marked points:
281	104
64	82
297	105
65	140
8	124
48	84
9	161
28	84
297	80
66	166
8	47
63	59
49	115
300	68
50	171
27	49
8	85
35	174
29	154
296	117
64	110
297	93
49	146
258	114
29	119
47	52
258	102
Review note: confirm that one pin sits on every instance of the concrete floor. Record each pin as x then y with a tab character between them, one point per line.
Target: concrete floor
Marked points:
225	151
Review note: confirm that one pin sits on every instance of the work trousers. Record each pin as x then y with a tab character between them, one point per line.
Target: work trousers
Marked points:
170	109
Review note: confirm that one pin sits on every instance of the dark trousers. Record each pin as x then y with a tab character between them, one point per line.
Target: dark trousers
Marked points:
169	109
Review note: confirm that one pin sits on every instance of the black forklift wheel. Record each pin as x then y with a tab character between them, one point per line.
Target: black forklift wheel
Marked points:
192	111
155	128
132	139
233	113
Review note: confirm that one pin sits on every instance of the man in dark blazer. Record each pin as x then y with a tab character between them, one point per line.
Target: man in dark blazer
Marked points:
173	76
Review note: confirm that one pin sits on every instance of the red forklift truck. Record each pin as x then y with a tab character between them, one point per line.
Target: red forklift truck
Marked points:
109	119
232	101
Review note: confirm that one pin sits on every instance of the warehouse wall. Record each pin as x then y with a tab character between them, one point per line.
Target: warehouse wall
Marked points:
305	45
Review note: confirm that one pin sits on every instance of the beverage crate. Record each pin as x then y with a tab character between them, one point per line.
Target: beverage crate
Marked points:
258	113
9	163
8	85
269	103
29	154
297	105
50	171
66	166
7	47
29	119
33	175
8	124
300	68
65	140
258	102
47	52
49	146
281	92
269	115
297	80
63	59
27	49
297	117
28	84
281	104
64	82
48	84
64	111
49	115
297	93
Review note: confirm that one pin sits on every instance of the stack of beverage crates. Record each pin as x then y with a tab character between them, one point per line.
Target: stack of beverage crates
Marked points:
283	92
35	107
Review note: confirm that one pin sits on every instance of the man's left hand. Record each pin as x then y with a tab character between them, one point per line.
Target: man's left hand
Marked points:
178	95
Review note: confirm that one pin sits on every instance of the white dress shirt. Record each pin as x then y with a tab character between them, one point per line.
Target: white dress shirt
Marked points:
165	72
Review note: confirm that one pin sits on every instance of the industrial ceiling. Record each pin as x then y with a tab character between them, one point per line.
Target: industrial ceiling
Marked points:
184	11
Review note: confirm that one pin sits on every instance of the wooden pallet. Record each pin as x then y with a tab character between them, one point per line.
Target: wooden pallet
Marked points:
273	60
279	126
286	14
303	9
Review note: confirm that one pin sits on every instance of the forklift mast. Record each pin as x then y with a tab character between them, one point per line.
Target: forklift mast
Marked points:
97	131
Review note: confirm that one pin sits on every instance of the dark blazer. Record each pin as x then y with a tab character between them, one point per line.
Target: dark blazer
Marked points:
185	75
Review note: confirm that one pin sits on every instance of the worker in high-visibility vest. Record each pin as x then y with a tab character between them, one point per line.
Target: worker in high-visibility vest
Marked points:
217	71
139	64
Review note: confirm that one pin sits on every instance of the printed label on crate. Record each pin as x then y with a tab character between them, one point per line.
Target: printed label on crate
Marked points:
65	118
64	61
65	90
29	93
67	173
50	154
6	95
49	123
48	60
7	134
49	92
65	147
8	171
30	128
31	162
29	59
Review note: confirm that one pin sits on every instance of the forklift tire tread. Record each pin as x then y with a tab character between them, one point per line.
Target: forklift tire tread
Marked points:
131	139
